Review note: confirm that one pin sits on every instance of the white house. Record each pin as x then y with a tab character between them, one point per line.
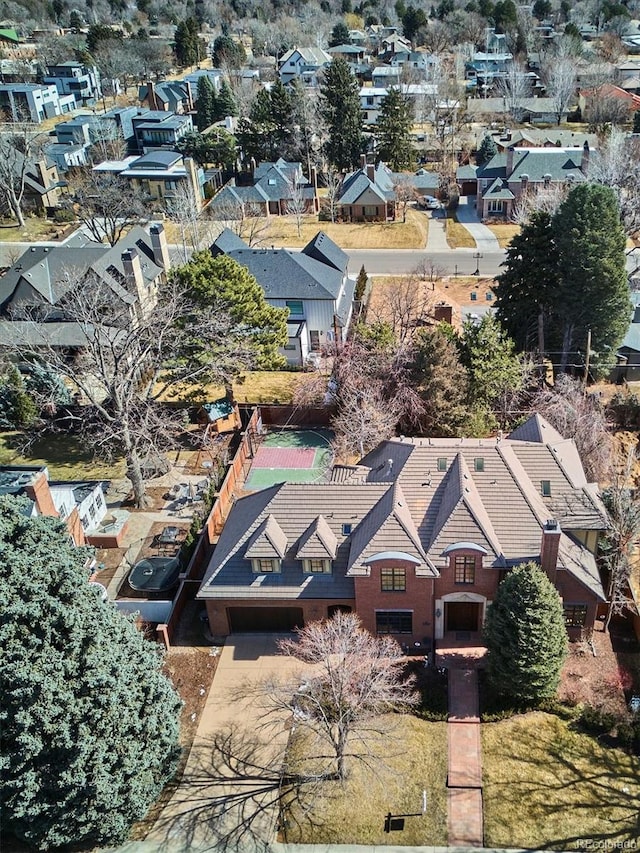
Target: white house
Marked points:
304	64
33	101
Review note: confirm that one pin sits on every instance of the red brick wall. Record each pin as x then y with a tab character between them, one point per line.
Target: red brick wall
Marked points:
486	579
417	597
312	609
573	592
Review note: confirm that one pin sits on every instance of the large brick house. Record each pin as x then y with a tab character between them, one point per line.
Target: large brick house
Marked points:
415	538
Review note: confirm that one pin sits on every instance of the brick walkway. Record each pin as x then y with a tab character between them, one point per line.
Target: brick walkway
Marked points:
464	778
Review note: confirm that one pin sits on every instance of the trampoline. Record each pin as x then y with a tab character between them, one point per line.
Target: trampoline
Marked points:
155	574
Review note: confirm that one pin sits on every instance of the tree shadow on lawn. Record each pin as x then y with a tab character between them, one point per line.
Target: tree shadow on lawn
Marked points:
571	780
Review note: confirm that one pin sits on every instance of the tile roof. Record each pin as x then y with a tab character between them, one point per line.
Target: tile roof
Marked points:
268	540
421	496
318	541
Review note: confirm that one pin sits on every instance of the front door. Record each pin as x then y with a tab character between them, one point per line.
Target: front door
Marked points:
462	616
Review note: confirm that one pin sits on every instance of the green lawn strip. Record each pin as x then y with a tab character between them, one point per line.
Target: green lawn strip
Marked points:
64	456
546	786
409	757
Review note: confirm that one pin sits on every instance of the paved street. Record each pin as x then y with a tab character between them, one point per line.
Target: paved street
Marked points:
402	261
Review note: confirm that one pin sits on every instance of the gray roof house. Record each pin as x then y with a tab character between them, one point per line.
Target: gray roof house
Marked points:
415	538
276	189
369	194
313	284
628	354
507	176
304	64
38	284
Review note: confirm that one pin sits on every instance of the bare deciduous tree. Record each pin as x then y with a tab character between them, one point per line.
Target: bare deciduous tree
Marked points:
333	183
547	199
405	193
186	211
355	678
618	166
561	84
405	304
622	536
248	221
514	88
128	357
107	205
365	417
581	418
18	149
296	204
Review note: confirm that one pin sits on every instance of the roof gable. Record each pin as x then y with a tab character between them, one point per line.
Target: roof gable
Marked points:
268	540
536	428
318	541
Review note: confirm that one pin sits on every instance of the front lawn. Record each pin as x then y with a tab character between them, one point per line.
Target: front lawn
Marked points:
412	234
35	229
64	456
504	232
255	386
410	758
457	235
546	786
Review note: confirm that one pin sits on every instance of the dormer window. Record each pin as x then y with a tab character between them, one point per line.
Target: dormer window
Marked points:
265	565
316	566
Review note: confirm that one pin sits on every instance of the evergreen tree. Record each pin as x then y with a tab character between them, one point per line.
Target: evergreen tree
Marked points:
339	34
486	151
413	20
259	328
206	103
282	116
88	722
594	292
186	42
495	371
17	407
527	290
217	148
636	121
227	52
393	131
226	103
340	98
441	380
525	636
256	133
361	284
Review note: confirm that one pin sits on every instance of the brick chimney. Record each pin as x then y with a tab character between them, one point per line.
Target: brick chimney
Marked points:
371	172
510	151
549	548
442	313
584	165
363	162
151	96
133	273
313	177
159	245
40	493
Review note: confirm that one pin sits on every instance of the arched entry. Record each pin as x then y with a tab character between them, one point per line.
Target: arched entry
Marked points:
460	611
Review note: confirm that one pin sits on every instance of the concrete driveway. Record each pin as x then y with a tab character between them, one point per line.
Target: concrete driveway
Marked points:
227	796
486	240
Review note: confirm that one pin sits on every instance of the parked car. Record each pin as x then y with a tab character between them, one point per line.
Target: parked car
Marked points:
428	202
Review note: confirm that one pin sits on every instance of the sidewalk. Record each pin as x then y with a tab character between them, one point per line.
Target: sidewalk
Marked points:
437	239
464	777
486	240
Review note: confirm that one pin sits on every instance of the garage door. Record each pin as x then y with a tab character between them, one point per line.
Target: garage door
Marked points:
242	619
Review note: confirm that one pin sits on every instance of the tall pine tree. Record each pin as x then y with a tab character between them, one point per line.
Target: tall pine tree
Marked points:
525	636
393	131
206	103
340	99
88	721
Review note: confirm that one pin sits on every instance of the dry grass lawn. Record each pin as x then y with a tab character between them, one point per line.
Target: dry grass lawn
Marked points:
34	229
63	455
457	235
547	787
505	232
258	386
411	758
412	234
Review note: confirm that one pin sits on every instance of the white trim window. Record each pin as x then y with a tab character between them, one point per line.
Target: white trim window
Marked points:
314	566
265	565
496	206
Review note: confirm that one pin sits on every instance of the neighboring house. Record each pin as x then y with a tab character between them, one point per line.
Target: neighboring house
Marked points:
415	538
384	76
33	102
157	129
504	178
159	174
42	185
369	195
355	56
628	101
371	98
313	284
528	110
485	68
172	96
36	285
81	505
530	137
305	64
627	368
65	156
75	78
276	189
214	74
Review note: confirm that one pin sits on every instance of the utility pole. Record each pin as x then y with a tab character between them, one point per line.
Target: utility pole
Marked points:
586	361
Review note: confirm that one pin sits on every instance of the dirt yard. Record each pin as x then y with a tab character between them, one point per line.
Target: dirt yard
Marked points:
599	681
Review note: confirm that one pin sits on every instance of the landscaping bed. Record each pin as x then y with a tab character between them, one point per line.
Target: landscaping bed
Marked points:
546	786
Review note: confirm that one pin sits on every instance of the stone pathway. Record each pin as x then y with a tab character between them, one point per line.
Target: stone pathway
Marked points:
464	777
